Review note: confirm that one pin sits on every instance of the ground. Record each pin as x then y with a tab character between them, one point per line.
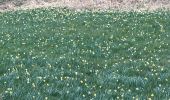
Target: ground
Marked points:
79	52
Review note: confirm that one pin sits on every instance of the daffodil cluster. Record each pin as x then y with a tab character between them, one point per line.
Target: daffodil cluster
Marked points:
60	54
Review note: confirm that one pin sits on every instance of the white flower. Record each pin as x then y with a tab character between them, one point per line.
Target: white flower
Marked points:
39	77
46	98
33	85
81	81
84	95
28	80
137	88
94	94
152	94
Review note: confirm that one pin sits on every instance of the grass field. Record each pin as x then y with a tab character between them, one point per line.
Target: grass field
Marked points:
58	54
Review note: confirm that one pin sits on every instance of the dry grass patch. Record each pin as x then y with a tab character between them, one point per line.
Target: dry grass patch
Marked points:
125	5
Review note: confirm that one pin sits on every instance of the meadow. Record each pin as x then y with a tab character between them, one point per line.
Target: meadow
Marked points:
61	54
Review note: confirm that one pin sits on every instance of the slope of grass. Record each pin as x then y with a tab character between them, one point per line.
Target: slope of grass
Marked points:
61	54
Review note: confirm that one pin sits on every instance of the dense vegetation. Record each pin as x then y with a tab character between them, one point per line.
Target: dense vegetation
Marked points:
62	54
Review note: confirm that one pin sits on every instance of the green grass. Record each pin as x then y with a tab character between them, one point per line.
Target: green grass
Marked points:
61	54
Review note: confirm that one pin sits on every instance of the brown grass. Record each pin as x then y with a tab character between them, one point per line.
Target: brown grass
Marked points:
125	5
